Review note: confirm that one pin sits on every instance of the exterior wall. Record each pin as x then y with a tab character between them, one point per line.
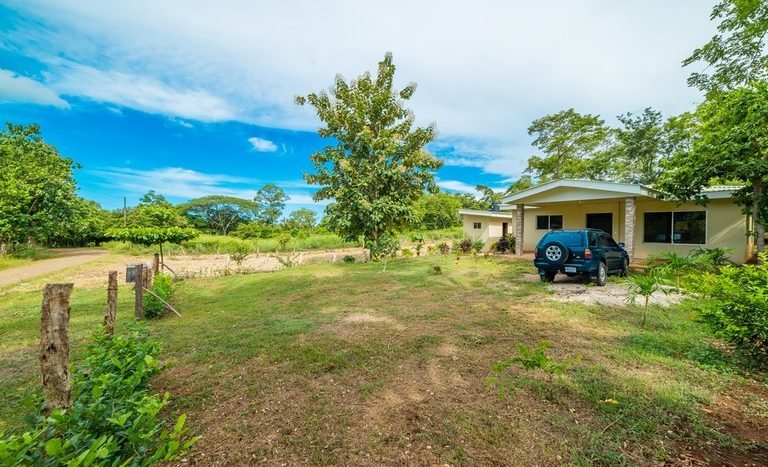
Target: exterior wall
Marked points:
574	217
491	228
726	225
726	228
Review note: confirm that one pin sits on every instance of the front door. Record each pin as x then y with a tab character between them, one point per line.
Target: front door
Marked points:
602	221
504	229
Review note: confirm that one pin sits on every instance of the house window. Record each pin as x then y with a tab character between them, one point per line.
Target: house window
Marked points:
549	222
686	227
477	225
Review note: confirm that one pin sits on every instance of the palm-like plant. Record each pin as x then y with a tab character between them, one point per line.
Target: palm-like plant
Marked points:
645	285
672	264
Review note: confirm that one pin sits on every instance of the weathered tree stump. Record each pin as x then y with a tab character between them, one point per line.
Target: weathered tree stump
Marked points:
111	314
54	347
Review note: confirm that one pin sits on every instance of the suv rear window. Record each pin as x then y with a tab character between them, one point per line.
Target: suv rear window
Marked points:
570	239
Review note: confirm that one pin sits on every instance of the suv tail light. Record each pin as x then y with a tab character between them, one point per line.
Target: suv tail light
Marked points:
587	253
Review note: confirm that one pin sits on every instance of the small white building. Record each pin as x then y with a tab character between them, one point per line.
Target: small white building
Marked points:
488	226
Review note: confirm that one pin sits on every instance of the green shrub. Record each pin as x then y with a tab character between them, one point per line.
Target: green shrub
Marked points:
240	252
464	245
735	305
114	419
506	244
478	245
349	259
407	252
444	248
32	252
162	286
418	240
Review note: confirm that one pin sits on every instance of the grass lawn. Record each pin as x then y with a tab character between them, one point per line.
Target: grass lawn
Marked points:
346	364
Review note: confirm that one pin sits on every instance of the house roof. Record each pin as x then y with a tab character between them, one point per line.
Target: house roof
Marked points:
587	190
578	190
475	212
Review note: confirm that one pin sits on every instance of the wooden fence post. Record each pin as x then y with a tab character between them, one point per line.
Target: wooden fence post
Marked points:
138	284
111	313
156	264
54	347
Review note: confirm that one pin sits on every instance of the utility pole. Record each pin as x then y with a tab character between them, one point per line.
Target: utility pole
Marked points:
125	211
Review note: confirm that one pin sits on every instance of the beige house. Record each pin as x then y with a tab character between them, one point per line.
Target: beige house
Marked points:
633	214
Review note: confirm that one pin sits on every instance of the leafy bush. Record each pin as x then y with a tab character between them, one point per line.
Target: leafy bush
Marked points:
444	248
533	359
477	246
283	240
735	305
418	240
437	269
464	245
407	252
714	256
162	286
240	252
114	419
506	244
349	259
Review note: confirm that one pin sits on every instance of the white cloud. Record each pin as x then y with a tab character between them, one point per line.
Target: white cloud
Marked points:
263	145
181	183
487	70
23	90
455	185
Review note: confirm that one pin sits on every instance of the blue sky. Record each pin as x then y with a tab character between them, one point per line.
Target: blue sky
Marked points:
192	98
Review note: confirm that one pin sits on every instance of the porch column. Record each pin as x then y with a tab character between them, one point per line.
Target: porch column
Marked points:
519	222
629	227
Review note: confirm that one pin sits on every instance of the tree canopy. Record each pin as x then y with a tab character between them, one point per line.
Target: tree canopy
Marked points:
731	143
378	166
270	203
218	213
573	146
738	54
37	190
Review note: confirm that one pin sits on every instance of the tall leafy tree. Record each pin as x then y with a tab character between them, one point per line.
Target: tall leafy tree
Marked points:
488	197
731	143
640	147
301	220
218	213
738	53
378	166
37	189
573	146
270	201
522	183
154	210
438	211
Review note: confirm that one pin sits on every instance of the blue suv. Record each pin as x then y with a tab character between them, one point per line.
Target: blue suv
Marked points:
587	252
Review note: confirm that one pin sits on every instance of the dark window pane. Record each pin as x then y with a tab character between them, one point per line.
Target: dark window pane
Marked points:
593	240
658	227
570	239
609	241
542	222
690	227
477	225
555	222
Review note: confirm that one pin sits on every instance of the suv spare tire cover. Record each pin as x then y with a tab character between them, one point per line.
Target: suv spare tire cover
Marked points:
556	253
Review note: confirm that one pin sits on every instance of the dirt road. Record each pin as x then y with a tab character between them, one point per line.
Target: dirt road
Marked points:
64	258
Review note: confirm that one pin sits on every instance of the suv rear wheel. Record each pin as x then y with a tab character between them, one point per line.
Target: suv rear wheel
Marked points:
601	275
547	276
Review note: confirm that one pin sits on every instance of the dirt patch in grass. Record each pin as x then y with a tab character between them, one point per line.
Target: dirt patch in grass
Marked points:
613	294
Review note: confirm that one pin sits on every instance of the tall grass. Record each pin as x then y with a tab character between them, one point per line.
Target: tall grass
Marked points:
220	244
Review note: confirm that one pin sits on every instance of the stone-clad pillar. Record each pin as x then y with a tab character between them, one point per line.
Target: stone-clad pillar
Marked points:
519	223
629	227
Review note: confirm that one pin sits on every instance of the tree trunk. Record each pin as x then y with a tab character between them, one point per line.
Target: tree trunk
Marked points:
54	347
757	194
